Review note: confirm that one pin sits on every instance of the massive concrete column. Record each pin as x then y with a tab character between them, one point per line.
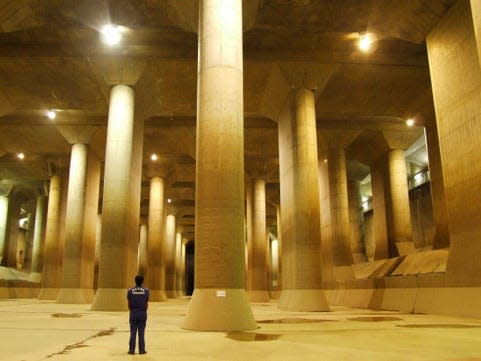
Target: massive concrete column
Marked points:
178	265
454	49
220	301
249	233
169	252
52	261
80	227
259	290
38	241
143	249
121	202
3	226
379	188
341	241
301	228
438	195
355	220
399	216
10	253
156	258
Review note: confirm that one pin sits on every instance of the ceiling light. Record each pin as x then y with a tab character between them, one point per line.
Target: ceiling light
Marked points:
169	200
51	114
20	156
410	122
325	160
153	157
365	42
111	34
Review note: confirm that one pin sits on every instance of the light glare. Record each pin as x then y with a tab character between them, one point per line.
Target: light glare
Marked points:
410	122
111	34
21	156
153	157
365	42
169	200
51	114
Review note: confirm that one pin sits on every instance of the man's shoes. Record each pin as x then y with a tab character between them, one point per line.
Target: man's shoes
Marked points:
131	352
142	352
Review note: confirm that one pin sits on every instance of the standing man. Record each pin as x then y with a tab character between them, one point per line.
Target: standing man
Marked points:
138	298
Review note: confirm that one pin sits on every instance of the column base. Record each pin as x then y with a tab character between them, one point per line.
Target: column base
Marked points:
75	295
110	299
343	273
171	293
48	293
213	309
405	247
309	300
258	296
157	295
35	277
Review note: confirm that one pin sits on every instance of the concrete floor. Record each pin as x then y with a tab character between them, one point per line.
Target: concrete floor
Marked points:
33	330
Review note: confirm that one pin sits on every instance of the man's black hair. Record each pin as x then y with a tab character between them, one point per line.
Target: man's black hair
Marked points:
139	279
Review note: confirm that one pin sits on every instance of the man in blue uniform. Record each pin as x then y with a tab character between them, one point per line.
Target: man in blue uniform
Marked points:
138	298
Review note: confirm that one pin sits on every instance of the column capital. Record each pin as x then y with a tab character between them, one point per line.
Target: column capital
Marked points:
75	134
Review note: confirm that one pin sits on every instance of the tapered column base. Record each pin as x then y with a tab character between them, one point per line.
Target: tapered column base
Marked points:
309	300
35	277
48	293
75	295
219	310
157	295
258	296
171	293
110	299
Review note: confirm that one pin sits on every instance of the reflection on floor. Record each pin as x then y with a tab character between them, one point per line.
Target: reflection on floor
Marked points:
33	330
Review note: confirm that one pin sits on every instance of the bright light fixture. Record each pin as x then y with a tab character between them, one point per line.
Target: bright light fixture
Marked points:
153	157
111	34
51	114
169	200
325	160
365	42
410	122
21	156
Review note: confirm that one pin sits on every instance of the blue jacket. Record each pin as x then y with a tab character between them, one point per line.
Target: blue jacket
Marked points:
138	298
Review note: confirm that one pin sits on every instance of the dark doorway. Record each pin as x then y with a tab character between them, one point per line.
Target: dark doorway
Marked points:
189	267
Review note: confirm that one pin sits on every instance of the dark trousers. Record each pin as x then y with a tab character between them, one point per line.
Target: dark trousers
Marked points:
137	326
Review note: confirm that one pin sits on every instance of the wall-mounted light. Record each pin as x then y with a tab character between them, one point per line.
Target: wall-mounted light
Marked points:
365	42
51	114
111	34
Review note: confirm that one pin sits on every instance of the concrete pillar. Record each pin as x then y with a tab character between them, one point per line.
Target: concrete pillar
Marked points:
121	202
143	249
355	220
98	242
220	301
52	261
454	50
301	228
399	217
341	240
382	248
438	195
249	226
156	256
184	288
3	226
278	287
169	252
80	227
178	265
326	256
38	241
14	206
259	291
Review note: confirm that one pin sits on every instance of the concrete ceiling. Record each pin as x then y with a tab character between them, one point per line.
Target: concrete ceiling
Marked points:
51	57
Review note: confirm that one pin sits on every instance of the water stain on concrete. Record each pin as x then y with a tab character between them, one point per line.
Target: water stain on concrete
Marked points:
439	325
81	344
251	336
66	315
295	320
374	319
